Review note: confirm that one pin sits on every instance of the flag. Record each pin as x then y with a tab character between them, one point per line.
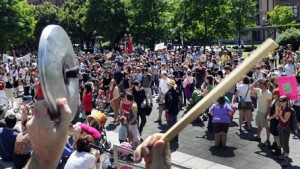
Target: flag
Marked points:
130	48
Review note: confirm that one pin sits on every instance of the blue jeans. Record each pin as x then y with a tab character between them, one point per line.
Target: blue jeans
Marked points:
171	121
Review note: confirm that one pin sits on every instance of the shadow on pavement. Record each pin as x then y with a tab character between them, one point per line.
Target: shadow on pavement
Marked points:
174	146
111	127
220	152
265	152
208	135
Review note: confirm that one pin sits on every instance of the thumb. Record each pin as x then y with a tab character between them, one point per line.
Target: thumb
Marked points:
158	155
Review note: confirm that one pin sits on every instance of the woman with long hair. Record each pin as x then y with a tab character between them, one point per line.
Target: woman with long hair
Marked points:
114	97
284	113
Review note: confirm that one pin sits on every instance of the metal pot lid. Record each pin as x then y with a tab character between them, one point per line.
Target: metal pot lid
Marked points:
58	69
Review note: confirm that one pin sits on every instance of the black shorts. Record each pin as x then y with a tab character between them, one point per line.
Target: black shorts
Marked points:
274	127
221	127
16	84
247	107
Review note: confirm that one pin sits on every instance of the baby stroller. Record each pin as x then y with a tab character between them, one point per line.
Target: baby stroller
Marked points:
102	102
97	119
109	163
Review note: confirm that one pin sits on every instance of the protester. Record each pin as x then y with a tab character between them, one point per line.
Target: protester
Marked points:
140	98
263	102
8	137
221	113
83	157
172	106
22	150
114	96
243	95
284	114
123	134
273	118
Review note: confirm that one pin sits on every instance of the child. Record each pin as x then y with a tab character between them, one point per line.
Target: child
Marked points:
87	101
123	129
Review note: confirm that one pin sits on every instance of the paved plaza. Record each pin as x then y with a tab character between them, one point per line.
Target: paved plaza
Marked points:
194	148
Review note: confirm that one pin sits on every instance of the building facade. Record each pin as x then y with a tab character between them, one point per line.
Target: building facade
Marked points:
260	32
294	5
39	2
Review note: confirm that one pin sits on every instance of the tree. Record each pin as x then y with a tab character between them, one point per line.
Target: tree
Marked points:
45	14
150	20
16	23
242	15
71	19
290	36
281	15
106	18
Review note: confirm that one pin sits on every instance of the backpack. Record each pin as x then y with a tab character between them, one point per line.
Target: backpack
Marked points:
293	121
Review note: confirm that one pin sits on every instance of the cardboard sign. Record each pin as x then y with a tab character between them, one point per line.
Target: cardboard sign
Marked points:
288	87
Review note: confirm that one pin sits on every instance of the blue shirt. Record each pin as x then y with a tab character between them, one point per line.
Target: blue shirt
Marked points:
7	143
122	130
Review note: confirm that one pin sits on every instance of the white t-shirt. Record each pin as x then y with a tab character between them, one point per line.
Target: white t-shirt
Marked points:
262	100
242	88
80	160
163	85
289	69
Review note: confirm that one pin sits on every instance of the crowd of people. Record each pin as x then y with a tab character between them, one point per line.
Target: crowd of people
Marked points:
128	81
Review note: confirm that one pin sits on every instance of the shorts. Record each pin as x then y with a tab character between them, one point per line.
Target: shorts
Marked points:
274	127
297	110
261	119
9	92
161	107
247	107
134	131
221	127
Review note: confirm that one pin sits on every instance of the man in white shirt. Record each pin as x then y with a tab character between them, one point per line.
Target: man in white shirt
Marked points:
264	100
289	68
163	89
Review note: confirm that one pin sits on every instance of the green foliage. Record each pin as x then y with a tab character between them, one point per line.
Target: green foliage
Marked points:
150	20
16	22
290	36
71	19
45	14
281	15
106	17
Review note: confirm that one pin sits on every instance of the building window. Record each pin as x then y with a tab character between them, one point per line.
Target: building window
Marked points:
294	9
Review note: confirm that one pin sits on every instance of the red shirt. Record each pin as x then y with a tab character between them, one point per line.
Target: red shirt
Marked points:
283	111
87	102
39	92
2	84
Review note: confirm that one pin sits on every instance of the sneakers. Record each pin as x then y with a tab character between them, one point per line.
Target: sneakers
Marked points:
273	146
267	143
285	162
277	151
258	139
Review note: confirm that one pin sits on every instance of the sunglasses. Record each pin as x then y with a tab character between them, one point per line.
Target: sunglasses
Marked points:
282	100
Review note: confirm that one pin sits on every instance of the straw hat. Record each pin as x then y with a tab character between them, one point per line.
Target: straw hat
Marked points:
172	83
